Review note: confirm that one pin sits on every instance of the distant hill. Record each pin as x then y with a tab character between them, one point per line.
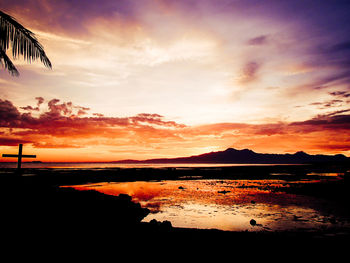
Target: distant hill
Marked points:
247	156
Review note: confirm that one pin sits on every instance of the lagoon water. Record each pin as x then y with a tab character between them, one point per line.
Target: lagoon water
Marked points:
227	204
237	205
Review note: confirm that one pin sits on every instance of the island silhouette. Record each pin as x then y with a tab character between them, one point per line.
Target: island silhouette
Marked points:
247	156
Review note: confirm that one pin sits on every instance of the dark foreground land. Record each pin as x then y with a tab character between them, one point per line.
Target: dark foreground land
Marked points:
36	211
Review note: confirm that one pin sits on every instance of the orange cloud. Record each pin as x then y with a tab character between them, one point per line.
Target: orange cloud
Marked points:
149	135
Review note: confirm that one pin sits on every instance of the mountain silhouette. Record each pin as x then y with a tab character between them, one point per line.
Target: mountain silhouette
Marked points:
247	156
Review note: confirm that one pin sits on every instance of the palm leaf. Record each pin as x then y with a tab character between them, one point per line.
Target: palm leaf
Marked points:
7	63
21	40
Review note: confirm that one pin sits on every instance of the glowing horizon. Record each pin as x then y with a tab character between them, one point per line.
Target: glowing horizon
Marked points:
160	78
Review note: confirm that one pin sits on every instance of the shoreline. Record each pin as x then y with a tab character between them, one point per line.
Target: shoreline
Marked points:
278	171
43	185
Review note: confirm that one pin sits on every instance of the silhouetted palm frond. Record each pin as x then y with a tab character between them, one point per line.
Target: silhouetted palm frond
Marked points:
22	42
7	64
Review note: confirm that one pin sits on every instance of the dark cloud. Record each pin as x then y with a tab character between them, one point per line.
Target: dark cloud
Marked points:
30	108
58	128
328	104
8	113
337	112
337	121
65	120
154	119
37	108
338	101
250	72
325	82
333	103
335	147
81	113
339	78
334	121
4	141
343	94
257	41
82	108
40	100
59	109
316	103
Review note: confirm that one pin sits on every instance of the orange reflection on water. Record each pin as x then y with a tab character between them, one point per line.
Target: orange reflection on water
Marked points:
218	192
221	204
145	193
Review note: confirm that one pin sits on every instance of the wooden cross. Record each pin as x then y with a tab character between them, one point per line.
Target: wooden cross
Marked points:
19	156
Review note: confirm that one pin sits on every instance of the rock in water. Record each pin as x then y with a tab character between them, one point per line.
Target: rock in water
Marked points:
252	222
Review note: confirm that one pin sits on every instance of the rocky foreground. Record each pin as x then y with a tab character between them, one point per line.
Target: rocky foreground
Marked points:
37	211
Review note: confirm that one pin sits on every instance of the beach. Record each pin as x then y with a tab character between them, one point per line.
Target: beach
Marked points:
46	202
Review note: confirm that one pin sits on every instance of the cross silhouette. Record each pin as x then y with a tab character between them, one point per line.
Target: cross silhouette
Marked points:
19	156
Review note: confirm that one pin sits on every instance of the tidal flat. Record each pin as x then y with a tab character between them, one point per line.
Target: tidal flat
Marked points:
292	203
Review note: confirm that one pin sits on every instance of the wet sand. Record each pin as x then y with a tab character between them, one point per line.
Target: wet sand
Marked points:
35	204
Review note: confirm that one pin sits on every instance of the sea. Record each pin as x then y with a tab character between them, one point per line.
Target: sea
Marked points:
101	165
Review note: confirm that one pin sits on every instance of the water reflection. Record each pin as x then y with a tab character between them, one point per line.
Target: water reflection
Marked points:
225	204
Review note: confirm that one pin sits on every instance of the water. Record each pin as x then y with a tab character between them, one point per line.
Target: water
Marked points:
118	165
227	204
220	204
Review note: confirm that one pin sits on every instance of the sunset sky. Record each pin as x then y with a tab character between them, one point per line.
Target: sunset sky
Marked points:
159	78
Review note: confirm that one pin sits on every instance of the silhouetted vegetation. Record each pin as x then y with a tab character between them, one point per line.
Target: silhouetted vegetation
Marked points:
21	41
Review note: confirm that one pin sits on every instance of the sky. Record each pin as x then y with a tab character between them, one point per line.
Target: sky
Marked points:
140	79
